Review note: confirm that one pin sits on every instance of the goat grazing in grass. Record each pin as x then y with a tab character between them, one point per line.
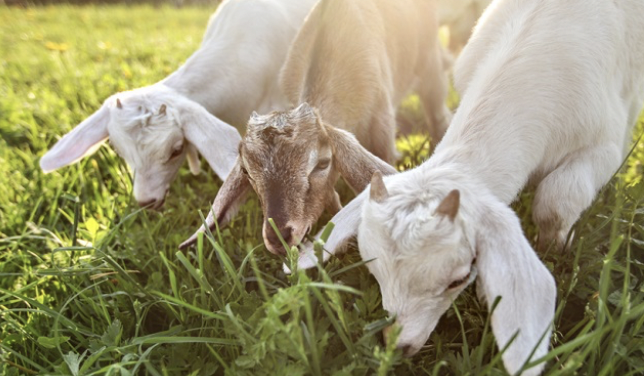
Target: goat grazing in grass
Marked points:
353	61
551	90
154	128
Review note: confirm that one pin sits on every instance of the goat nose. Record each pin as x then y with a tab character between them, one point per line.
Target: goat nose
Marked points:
274	239
147	203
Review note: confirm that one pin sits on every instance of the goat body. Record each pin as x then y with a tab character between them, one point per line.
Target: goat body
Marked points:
236	69
550	91
349	66
354	61
154	128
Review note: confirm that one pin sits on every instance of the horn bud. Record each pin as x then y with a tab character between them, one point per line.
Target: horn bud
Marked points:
303	110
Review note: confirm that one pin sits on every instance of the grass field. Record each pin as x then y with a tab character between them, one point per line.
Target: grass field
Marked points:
91	285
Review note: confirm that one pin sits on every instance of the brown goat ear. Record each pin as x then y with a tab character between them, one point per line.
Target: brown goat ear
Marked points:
378	192
232	194
355	163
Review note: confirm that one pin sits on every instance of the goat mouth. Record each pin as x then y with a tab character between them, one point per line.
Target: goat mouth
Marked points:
277	250
305	237
159	203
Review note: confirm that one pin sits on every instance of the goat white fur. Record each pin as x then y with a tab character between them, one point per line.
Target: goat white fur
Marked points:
551	90
234	72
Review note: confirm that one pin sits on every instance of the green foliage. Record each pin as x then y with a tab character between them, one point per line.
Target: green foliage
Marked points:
92	285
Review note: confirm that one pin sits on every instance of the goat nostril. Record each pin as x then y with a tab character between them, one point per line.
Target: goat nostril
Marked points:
147	203
275	239
287	234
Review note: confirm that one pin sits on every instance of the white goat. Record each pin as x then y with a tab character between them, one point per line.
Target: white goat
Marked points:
353	61
550	91
234	72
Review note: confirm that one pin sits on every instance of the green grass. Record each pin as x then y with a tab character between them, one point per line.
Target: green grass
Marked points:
91	285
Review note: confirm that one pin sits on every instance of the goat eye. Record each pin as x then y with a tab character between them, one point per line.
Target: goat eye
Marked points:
323	164
176	152
245	172
459	282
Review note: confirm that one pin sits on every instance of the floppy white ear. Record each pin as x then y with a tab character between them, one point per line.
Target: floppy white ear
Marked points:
82	141
346	223
231	196
508	267
216	140
355	163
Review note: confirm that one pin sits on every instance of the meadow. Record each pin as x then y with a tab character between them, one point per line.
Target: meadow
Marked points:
90	284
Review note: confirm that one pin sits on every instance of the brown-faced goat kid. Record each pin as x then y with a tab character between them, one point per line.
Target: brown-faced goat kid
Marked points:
353	61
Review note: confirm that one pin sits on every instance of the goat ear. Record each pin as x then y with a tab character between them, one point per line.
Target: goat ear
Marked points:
378	192
450	204
231	196
355	163
193	159
508	267
82	141
215	140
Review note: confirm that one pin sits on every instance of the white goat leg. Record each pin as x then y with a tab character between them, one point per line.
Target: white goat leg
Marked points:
569	189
